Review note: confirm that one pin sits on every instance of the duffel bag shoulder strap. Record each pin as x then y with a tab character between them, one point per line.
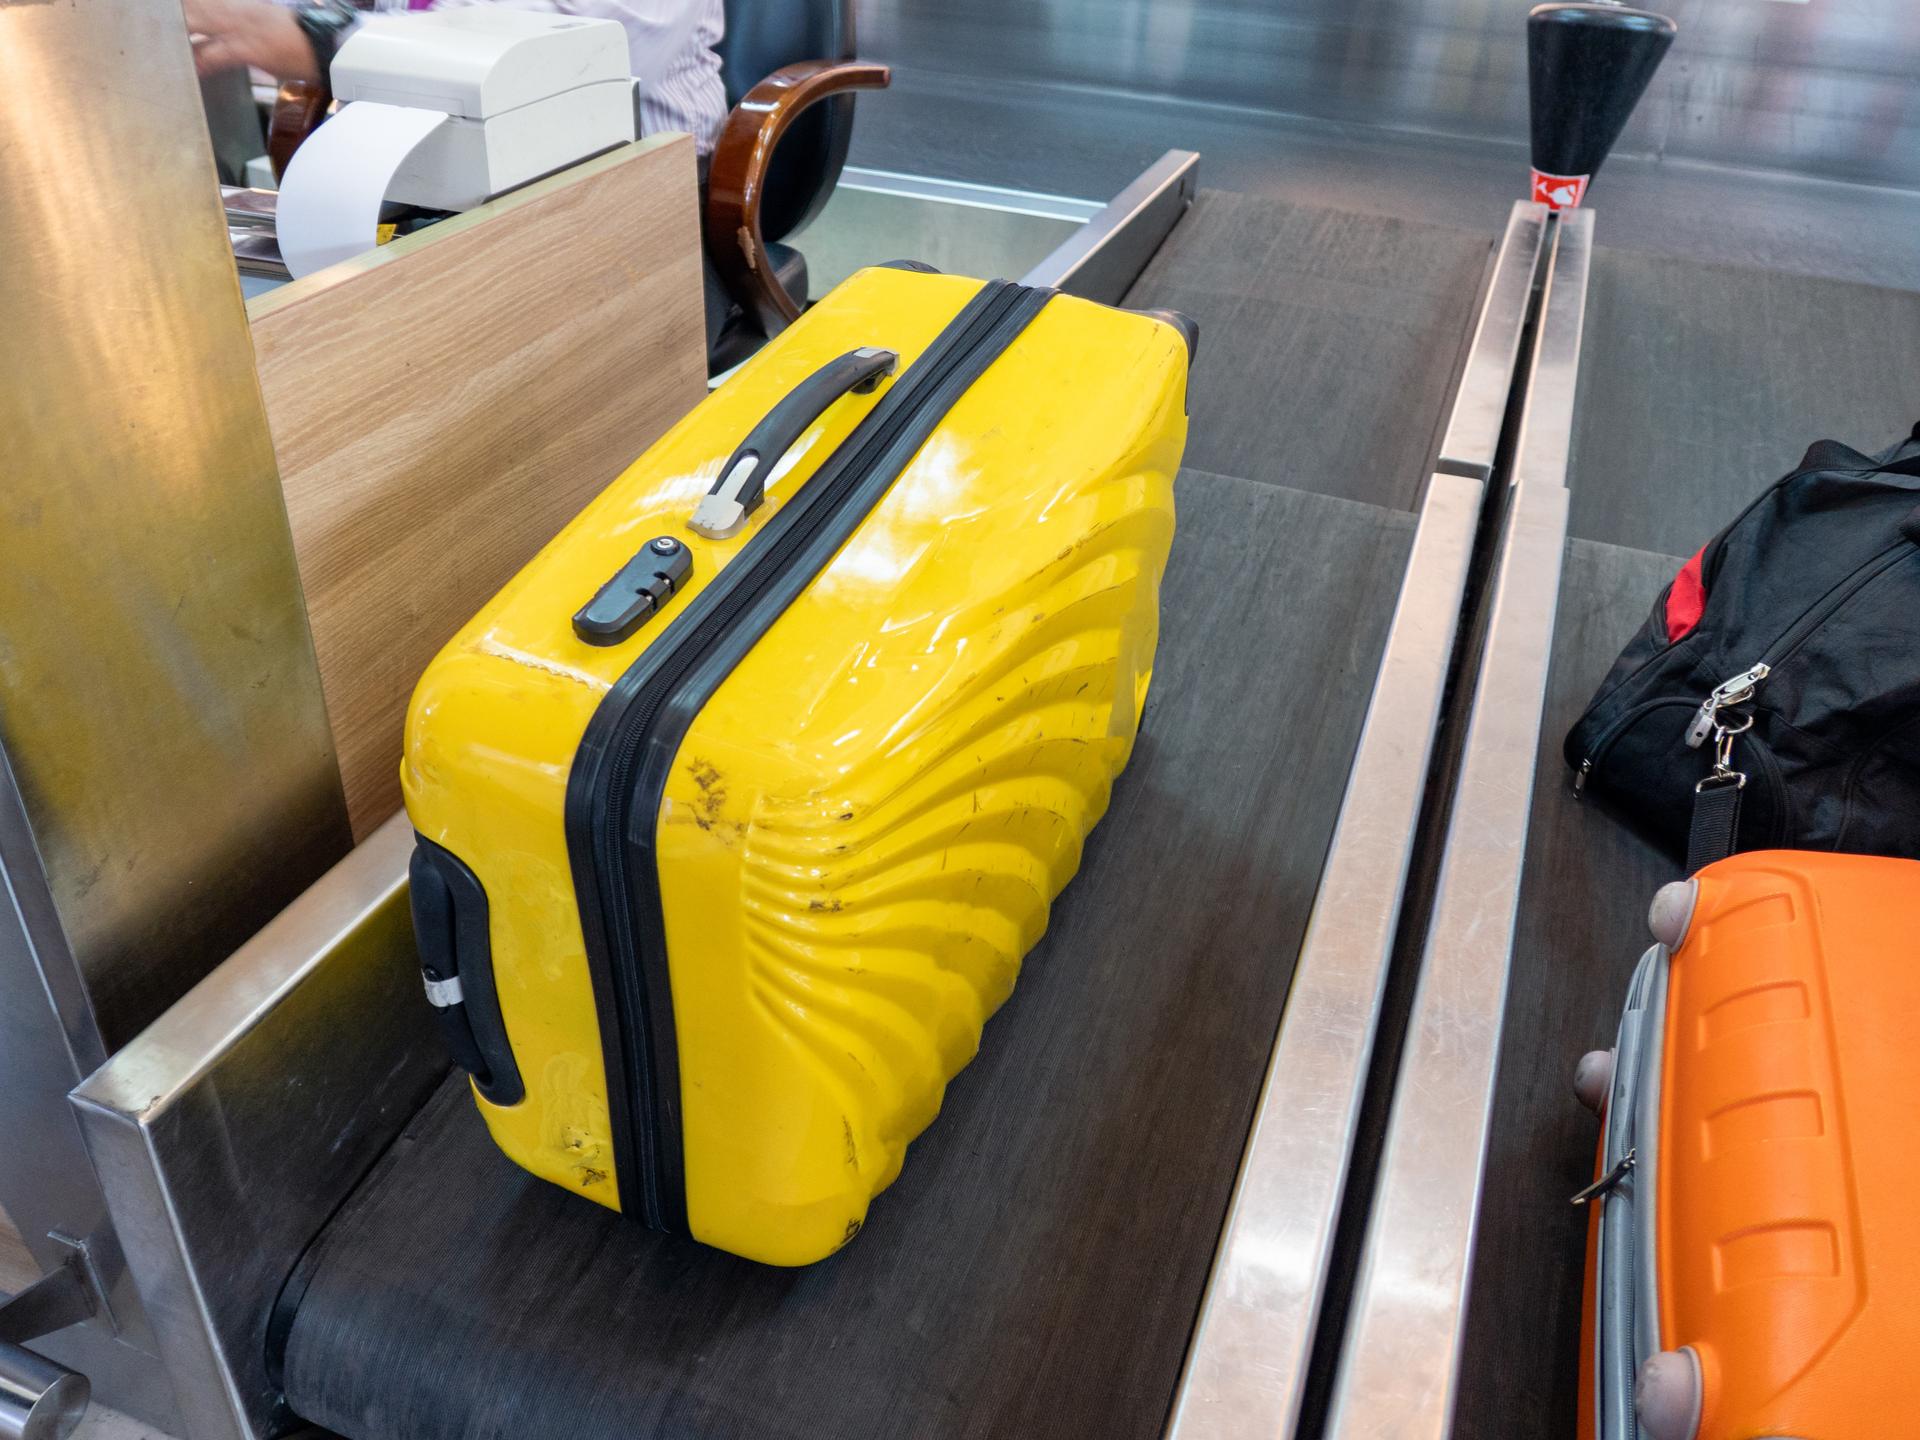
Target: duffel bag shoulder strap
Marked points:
1714	833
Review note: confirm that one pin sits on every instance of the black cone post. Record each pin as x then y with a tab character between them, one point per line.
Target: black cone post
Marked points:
1587	66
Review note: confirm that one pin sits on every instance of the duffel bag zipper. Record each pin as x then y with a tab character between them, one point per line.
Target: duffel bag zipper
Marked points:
615	789
1604	741
1662	651
1709	562
1770	780
1740	689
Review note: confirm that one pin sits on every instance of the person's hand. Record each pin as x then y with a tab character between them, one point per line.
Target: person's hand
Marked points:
227	33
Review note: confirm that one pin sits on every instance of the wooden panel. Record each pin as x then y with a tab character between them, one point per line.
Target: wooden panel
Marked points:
1036	1268
1702	384
1328	340
442	406
1581	928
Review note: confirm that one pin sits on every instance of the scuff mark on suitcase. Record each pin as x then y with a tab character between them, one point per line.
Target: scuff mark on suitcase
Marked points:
589	1176
706	775
708	814
545	667
853	1153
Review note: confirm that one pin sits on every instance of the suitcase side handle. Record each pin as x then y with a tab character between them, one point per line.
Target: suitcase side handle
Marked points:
452	931
742	485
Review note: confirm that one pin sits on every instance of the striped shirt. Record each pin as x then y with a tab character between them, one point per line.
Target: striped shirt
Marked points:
672	45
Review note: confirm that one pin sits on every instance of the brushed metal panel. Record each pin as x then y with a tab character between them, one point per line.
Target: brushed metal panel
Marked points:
1399	1368
159	700
56	1189
230	1130
1399	1373
1103	259
876	215
1480	405
1820	89
168	778
1546	430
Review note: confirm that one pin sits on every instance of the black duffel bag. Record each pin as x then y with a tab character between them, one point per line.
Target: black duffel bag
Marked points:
1772	699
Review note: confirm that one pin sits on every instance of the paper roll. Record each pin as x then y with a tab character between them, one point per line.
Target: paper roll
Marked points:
330	197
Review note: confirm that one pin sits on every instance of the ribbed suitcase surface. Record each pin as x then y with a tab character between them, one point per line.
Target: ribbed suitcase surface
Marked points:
725	894
1756	1251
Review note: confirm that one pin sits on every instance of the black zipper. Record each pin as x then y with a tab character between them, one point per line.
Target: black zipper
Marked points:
1740	689
1843	590
1603	742
614	790
1663	651
1796	634
1782	649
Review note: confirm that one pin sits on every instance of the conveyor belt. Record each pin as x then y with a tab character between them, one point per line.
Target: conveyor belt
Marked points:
1329	341
1699	385
1036	1269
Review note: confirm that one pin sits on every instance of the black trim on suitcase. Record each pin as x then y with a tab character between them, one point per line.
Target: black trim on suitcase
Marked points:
615	788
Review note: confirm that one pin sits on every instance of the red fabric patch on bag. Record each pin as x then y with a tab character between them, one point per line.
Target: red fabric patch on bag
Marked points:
1686	599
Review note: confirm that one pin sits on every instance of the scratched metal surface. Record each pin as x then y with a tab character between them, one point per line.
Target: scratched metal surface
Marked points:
1036	1268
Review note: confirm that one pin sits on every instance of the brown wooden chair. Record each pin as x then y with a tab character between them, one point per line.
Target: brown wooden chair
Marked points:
790	71
790	74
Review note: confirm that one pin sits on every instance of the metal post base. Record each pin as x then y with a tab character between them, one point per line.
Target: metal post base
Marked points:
40	1400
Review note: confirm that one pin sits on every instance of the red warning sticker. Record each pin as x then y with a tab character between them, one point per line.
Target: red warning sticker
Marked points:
1558	192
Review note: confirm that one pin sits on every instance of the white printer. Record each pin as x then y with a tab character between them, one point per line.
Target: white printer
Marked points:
526	94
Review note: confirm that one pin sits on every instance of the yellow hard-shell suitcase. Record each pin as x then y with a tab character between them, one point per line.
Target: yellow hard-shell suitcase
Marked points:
740	805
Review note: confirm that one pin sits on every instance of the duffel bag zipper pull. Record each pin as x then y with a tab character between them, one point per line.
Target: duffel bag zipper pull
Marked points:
1608	1182
1736	691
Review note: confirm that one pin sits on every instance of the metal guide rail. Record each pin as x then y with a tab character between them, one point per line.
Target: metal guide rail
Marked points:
1246	1372
1399	1356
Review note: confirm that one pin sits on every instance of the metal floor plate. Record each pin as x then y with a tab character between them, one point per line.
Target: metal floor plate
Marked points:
1037	1267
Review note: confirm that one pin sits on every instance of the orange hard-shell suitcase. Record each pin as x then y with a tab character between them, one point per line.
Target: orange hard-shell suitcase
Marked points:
1753	1269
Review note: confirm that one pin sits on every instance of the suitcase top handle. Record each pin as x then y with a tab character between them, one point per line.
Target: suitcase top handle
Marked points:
742	485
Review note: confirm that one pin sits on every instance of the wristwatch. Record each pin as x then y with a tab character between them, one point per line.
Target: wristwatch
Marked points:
325	23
